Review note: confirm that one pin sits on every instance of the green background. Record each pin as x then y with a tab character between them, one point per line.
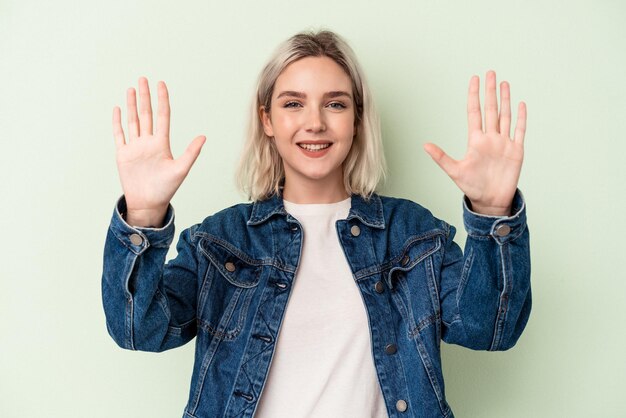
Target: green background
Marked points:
65	64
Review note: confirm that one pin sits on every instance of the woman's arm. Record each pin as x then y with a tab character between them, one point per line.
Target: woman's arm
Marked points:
149	305
485	293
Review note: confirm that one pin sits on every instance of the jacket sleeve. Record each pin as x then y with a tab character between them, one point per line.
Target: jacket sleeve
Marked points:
149	305
485	293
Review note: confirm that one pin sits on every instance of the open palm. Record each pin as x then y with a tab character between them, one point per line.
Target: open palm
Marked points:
148	172
489	172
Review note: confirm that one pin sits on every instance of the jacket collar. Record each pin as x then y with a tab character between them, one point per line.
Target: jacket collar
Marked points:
369	212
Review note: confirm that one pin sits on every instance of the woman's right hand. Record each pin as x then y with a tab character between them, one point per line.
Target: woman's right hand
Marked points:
149	174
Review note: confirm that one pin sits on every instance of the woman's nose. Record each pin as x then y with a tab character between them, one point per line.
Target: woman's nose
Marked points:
315	120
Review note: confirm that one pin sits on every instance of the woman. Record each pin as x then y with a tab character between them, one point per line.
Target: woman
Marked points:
361	288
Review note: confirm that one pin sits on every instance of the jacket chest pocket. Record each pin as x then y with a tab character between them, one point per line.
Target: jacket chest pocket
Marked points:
226	292
414	287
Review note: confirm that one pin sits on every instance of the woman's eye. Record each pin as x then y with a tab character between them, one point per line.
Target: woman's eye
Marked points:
291	104
337	105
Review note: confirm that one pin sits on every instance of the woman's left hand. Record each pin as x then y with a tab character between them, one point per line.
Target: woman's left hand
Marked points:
490	170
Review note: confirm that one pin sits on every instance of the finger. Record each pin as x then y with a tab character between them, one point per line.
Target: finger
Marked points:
491	103
145	108
474	118
131	114
163	110
118	132
447	164
505	109
191	153
520	125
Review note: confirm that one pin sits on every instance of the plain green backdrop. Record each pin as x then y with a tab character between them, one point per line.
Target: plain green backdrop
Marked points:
65	64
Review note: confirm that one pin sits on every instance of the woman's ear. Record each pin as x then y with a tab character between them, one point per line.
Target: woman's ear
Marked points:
266	121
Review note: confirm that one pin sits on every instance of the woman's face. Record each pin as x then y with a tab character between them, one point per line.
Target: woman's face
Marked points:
312	121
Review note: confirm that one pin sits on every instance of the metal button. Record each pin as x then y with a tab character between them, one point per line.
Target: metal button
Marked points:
230	266
405	260
355	231
379	287
503	230
401	405
391	349
136	239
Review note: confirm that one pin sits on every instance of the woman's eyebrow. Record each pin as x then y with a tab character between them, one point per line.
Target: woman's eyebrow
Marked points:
300	95
334	94
290	93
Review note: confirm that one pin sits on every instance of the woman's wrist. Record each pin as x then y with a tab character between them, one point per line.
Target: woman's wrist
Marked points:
490	210
145	218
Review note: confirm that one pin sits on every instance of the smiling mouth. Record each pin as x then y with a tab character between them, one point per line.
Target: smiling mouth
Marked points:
314	147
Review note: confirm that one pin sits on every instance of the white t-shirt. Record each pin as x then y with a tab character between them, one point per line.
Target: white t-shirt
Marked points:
322	365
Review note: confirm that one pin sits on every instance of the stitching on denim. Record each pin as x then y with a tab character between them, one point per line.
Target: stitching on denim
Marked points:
178	330
243	312
242	256
232	249
455	319
246	296
249	402
378	223
120	238
436	303
129	323
130	306
467	266
285	244
261	352
481	237
404	287
379	268
430	372
224	336
207	282
432	282
503	300
162	301
233	333
423	256
230	279
423	324
519	233
207	359
226	316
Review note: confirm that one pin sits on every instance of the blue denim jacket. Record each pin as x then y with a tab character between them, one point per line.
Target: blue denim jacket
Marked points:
230	283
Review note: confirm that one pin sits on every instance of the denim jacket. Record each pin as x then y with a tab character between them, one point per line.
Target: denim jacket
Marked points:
231	280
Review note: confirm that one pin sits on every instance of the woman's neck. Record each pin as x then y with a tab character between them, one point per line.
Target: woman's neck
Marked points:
314	191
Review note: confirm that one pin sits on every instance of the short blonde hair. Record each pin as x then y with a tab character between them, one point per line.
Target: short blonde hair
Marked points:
261	172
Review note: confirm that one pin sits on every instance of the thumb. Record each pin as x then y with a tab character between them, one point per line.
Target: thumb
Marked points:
442	159
193	150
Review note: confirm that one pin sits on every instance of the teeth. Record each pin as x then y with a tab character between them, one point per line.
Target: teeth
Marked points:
314	147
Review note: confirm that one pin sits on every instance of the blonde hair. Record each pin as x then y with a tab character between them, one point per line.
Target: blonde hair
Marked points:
261	172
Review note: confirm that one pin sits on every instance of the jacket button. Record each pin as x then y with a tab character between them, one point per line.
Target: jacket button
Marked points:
405	260
391	349
379	287
355	231
503	230
136	239
230	266
401	405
